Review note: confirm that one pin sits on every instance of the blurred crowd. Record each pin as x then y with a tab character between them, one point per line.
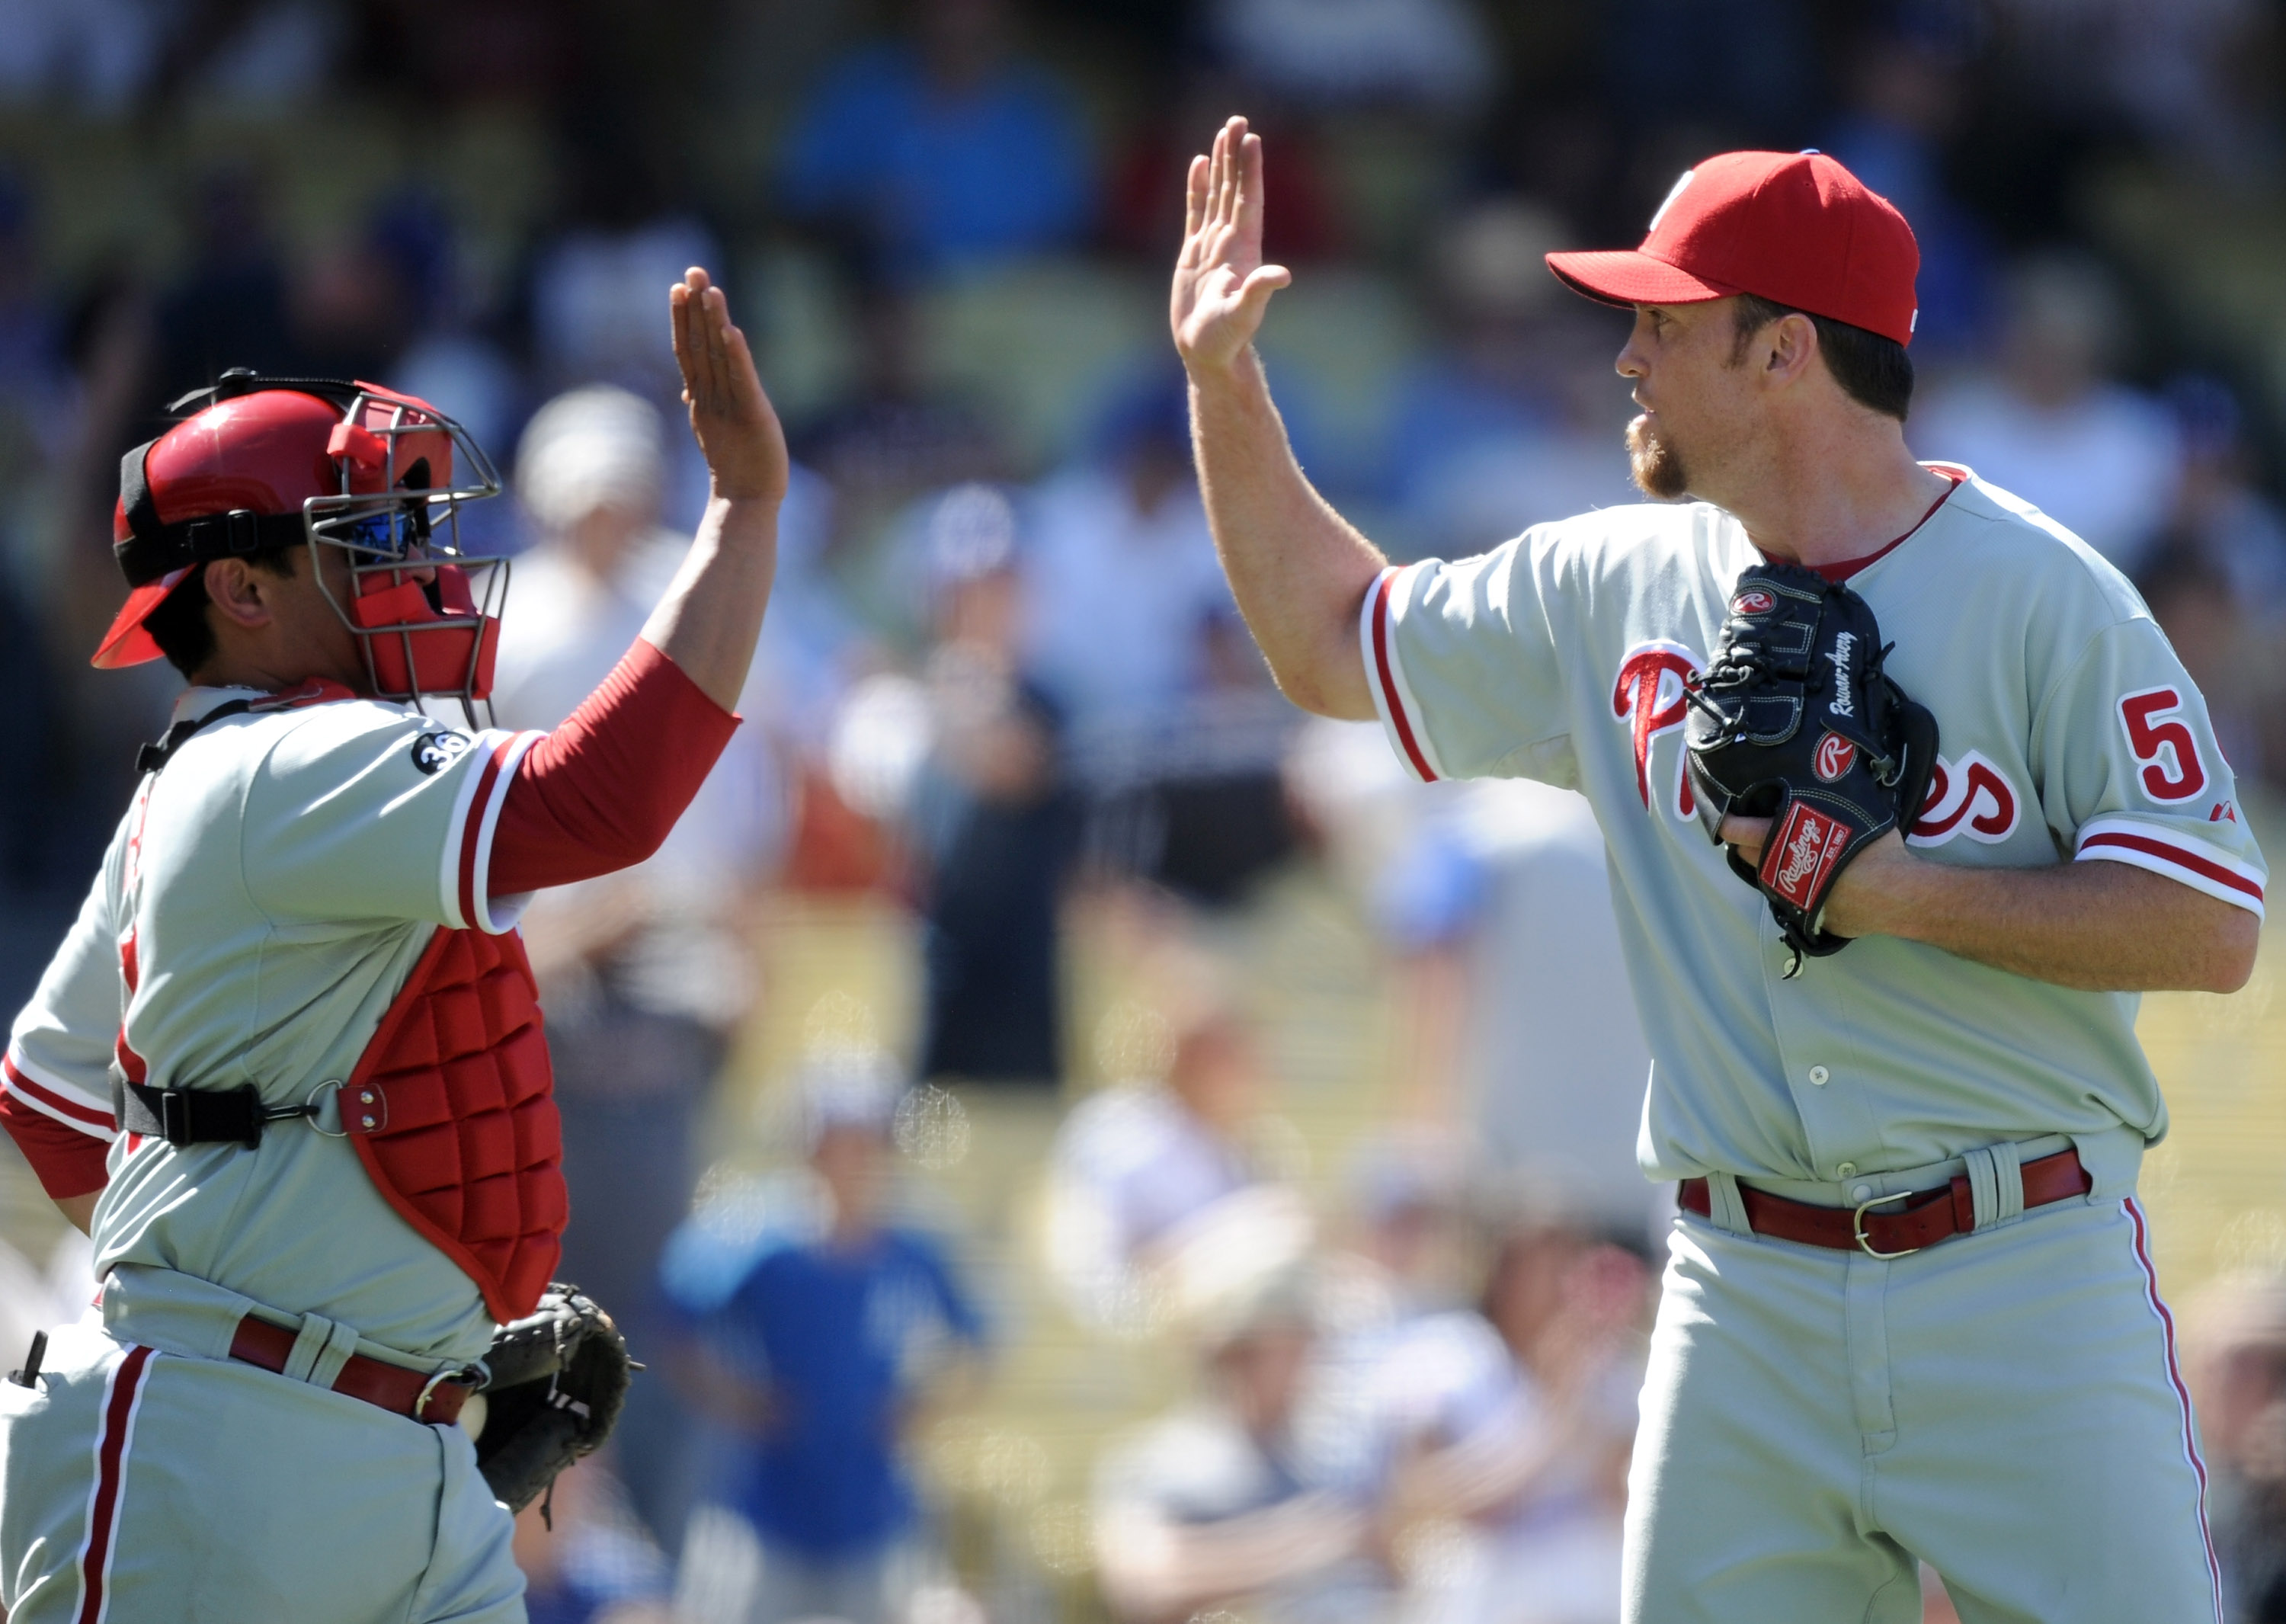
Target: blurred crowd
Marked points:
1003	685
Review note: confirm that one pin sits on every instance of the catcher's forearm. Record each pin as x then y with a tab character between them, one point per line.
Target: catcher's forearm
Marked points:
711	615
2102	927
1298	570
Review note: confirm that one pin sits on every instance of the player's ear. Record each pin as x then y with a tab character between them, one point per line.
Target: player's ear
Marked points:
1790	345
241	594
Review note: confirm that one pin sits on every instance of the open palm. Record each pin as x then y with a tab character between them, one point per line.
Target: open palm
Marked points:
1221	284
736	425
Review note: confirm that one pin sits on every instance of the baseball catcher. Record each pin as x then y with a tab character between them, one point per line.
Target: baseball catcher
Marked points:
1794	721
287	1067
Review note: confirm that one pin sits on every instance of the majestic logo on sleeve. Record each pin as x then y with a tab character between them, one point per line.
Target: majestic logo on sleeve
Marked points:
1649	697
1969	797
1844	702
433	753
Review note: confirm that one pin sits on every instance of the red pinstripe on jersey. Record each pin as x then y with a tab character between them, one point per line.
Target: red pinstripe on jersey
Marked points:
1386	680
66	1106
2182	1393
123	1397
2169	851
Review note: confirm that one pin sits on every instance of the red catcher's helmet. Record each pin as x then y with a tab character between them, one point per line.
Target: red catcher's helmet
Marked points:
267	463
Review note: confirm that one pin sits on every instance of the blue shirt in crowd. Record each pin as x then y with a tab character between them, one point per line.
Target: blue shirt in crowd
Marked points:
950	178
836	1337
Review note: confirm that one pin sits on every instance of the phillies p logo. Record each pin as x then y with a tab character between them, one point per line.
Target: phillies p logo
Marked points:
1649	697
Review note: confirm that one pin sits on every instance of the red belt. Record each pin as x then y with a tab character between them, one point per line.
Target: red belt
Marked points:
1927	1216
394	1388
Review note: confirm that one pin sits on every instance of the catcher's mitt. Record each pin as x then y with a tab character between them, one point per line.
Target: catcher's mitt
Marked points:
558	1378
1794	721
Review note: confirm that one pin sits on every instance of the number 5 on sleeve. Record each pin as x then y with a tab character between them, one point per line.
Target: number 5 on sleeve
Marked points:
2161	740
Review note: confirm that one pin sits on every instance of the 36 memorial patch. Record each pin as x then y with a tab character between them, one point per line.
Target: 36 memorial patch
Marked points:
433	753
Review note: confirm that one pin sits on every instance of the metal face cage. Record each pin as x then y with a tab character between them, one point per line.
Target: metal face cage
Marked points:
409	531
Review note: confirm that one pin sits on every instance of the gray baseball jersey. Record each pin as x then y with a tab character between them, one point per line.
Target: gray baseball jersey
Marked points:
261	905
2009	1405
2070	732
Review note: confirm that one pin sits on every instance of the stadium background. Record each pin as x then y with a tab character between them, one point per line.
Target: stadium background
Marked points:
480	191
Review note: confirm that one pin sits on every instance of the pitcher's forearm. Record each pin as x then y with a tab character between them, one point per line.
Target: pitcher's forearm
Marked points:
1299	571
710	617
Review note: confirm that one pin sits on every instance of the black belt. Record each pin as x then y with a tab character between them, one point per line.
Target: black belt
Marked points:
199	1116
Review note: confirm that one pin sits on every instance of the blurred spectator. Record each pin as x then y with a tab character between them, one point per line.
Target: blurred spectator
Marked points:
2229	654
643	972
93	55
2101	459
1905	92
1503	901
1415	1402
892	441
2235	1345
945	153
1149	1180
586	1559
1745	68
230	309
595	291
1432	54
2188	75
1144	197
2220	515
1572	1310
1212	1504
1515	419
1121	580
1176	730
36	420
994	829
2217	582
814	1368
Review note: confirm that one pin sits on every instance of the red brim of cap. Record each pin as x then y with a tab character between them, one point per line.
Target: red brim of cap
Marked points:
1628	276
127	643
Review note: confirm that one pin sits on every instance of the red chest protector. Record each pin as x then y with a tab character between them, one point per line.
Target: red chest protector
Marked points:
452	1112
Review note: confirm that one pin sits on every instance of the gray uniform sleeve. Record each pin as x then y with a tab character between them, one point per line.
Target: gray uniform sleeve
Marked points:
1464	668
58	1059
352	817
2129	771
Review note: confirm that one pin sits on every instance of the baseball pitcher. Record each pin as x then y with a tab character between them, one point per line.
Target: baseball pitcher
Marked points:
1906	798
287	1067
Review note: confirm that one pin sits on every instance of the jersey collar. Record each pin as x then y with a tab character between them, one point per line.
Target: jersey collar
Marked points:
196	703
1843	570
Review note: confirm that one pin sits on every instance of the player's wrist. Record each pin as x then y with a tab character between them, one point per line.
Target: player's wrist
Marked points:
1886	892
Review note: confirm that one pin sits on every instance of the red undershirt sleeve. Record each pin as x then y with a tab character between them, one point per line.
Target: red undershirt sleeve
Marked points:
600	792
68	1161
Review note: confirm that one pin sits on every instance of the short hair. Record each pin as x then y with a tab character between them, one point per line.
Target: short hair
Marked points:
179	624
1872	370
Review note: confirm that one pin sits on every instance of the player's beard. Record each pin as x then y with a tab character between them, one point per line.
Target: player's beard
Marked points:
1654	461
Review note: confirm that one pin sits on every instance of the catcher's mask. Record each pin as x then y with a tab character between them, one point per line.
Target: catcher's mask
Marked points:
261	462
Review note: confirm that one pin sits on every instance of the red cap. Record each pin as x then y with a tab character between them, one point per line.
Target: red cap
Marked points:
1795	228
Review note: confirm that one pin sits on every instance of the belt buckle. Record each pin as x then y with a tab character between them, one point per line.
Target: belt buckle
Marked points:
1866	1242
460	1376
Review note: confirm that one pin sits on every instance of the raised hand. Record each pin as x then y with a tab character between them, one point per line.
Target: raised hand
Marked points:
737	428
1221	284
